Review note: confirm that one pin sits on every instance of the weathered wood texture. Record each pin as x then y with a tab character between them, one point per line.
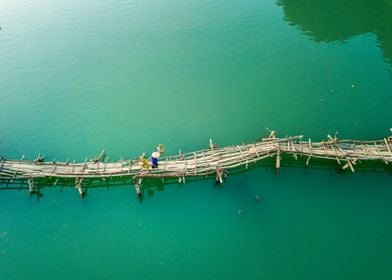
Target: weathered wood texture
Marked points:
205	162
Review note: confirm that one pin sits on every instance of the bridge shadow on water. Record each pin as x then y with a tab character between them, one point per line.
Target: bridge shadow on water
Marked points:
338	20
151	186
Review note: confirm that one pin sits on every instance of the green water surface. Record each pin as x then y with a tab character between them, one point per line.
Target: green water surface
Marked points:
80	76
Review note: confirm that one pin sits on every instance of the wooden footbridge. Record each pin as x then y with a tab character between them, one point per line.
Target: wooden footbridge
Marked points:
215	161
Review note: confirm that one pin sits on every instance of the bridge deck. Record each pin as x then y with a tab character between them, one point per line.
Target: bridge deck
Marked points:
204	162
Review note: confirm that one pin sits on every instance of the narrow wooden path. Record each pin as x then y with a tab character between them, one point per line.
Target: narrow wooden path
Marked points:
214	160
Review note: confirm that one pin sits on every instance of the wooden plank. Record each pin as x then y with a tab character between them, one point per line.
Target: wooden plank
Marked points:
54	168
292	146
257	154
204	162
194	154
365	151
185	166
164	168
325	149
379	152
239	148
300	144
342	151
336	155
387	145
204	157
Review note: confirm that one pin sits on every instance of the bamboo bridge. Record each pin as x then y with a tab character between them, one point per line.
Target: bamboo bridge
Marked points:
212	161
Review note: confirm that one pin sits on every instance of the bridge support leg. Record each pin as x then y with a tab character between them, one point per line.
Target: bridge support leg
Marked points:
212	145
278	160
181	180
31	184
307	161
220	173
78	186
138	187
218	177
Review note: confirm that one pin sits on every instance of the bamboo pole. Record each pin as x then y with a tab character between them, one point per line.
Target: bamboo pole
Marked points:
334	151
380	154
277	165
204	162
31	184
387	145
194	154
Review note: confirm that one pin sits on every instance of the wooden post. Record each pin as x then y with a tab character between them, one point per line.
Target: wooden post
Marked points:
39	158
78	186
310	151
218	177
138	187
31	184
278	159
307	161
211	144
181	179
100	157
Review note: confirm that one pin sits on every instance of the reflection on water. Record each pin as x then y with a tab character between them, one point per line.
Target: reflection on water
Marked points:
339	20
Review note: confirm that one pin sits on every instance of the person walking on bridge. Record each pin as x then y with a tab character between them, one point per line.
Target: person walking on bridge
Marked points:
156	154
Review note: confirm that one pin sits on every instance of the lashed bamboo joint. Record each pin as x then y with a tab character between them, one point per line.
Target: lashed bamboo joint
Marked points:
214	160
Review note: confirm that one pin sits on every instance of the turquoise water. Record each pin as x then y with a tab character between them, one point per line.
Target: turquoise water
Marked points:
80	76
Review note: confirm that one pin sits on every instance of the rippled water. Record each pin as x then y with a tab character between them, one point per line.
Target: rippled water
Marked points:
80	76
